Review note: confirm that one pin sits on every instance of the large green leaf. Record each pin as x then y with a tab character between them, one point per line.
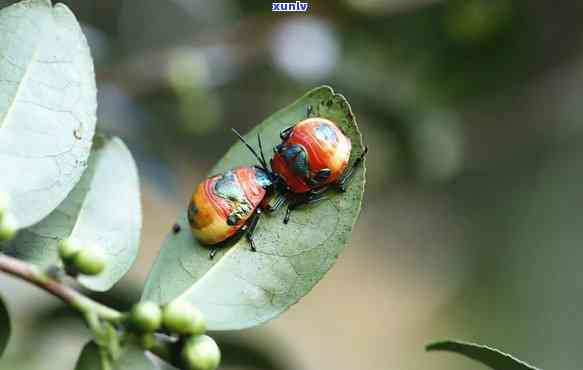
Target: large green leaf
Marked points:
47	106
132	358
238	288
104	209
489	356
5	327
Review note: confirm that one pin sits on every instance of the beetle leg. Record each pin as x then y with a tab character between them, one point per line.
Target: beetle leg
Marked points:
315	192
212	252
312	197
342	184
276	205
251	225
284	134
309	110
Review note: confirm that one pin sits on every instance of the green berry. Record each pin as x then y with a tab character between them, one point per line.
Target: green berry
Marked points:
8	227
147	341
145	317
4	202
89	261
201	353
68	249
182	318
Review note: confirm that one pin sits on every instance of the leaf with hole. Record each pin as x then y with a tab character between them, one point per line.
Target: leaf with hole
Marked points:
47	106
488	356
104	210
239	288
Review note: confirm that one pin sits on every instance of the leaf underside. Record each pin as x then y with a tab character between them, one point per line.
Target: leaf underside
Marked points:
103	209
488	356
47	106
239	288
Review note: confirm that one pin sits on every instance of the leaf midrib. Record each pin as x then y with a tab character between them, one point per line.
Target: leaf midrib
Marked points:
25	76
233	249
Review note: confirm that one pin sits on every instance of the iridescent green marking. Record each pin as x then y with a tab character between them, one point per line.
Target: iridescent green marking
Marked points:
262	178
228	187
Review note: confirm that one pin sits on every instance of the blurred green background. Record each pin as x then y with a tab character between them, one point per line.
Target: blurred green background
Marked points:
472	223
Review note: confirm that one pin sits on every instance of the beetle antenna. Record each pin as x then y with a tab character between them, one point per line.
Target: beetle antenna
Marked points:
261	150
259	159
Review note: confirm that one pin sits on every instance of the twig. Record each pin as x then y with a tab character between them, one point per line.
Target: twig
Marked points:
70	296
86	306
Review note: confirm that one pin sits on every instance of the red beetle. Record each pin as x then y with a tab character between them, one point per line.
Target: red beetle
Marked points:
311	159
314	153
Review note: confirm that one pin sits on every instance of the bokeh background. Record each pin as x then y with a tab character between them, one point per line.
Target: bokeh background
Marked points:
472	223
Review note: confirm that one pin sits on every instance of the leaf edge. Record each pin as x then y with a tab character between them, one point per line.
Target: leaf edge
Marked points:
460	347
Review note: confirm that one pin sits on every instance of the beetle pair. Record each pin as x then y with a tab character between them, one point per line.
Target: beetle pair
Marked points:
311	159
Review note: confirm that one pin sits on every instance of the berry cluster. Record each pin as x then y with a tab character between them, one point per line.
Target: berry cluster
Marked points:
195	351
81	258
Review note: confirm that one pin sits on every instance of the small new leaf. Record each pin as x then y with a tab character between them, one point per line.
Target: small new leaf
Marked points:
488	356
90	358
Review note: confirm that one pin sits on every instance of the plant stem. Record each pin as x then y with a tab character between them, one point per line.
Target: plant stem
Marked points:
70	296
87	307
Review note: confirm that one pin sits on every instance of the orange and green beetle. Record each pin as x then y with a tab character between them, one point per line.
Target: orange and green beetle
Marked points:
312	158
225	204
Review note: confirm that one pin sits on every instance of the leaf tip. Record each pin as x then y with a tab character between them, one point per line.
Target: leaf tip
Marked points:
62	8
489	356
328	88
437	345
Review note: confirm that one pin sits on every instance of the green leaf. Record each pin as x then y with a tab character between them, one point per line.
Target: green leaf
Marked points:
90	358
488	356
238	288
132	358
47	106
104	209
5	327
240	353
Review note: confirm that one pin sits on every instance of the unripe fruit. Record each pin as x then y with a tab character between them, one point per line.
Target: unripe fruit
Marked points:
147	341
182	318
200	353
68	249
89	261
4	202
145	317
8	227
